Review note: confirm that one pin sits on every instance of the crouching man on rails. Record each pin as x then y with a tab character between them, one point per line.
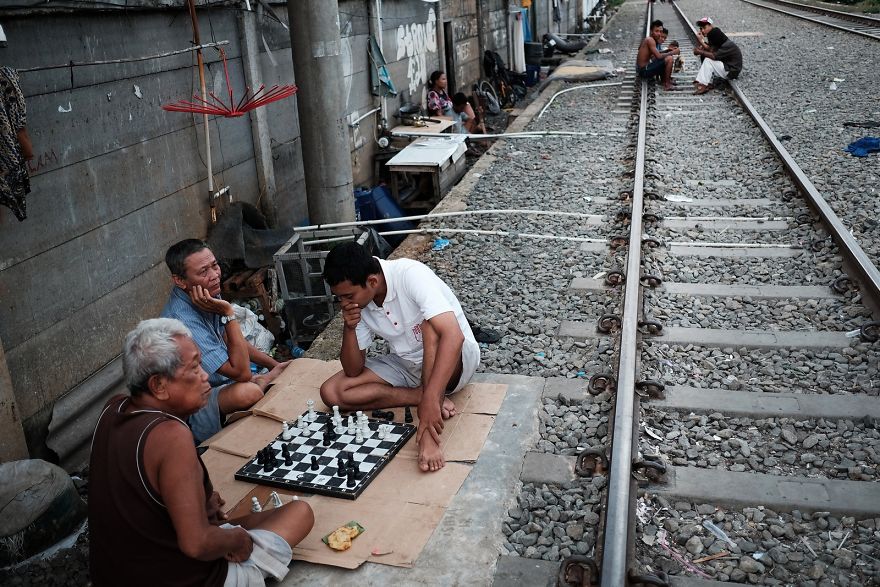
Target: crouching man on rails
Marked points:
720	55
651	62
226	355
433	351
154	518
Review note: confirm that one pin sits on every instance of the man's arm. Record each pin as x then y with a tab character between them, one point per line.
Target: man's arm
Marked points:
173	467
238	365
449	345
259	357
351	356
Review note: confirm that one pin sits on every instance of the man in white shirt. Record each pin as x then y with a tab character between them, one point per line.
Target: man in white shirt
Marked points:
433	351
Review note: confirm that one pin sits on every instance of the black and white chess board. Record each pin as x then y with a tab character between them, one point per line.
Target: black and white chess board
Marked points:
369	458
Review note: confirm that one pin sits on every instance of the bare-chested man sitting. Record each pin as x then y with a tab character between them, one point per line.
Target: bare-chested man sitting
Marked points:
651	61
433	351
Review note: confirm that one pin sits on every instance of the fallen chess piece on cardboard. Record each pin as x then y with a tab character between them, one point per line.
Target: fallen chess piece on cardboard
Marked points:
340	539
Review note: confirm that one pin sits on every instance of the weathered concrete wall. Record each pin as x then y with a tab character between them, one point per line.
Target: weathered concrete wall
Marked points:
464	18
494	27
546	18
115	182
117	179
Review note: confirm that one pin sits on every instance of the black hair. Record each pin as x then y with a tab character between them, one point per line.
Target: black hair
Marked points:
434	77
176	256
350	262
656	23
673	43
665	31
459	99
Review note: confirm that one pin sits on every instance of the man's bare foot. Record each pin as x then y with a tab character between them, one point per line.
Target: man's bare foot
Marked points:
430	455
448	409
701	89
667	86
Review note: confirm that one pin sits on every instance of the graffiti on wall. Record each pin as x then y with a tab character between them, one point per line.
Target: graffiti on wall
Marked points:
415	41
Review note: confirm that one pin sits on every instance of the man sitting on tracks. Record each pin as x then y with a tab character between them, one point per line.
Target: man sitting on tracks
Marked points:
651	62
720	55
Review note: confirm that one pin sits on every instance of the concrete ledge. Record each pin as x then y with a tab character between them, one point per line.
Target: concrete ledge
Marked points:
769	292
676	581
516	570
855	498
600	248
577	329
588	284
740	338
682	250
767	405
543	467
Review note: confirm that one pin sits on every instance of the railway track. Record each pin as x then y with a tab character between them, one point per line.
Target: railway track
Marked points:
745	439
859	24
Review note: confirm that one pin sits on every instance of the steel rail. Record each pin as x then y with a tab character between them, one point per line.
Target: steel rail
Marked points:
866	272
832	13
861	18
615	550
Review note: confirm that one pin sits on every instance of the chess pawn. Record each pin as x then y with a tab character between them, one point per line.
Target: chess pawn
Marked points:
311	415
304	427
286	434
382	433
359	435
255	505
350	429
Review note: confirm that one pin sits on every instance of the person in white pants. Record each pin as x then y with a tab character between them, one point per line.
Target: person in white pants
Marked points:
720	56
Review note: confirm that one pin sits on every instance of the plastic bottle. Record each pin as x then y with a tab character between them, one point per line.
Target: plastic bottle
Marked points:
297	352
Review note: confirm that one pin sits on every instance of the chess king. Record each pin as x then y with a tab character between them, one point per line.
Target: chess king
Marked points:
433	350
154	518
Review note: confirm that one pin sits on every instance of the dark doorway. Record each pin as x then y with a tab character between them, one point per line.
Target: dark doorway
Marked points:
449	50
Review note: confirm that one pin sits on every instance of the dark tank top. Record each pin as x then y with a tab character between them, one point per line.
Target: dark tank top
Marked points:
132	541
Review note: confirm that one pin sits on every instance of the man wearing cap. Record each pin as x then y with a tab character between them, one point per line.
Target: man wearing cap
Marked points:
720	56
651	62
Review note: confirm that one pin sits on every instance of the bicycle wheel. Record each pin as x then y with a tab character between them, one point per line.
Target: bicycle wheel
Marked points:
488	92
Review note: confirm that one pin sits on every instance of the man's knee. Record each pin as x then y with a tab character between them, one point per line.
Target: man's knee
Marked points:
239	396
330	392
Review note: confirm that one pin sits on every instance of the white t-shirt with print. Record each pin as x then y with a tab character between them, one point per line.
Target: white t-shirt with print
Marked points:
415	294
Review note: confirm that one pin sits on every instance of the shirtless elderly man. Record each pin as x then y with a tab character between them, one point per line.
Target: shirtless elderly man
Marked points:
651	61
433	351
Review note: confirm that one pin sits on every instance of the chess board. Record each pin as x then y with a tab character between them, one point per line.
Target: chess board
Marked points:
370	456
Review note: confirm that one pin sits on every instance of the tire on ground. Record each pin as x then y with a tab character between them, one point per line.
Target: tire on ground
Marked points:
39	505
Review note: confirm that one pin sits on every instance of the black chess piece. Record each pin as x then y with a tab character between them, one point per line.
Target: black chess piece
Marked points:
314	463
285	453
377	414
340	466
407	415
358	474
351	478
260	457
268	464
350	463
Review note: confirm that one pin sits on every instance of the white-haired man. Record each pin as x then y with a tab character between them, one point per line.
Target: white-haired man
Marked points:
154	518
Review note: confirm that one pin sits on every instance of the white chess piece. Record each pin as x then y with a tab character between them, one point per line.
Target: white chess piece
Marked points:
276	500
304	426
286	433
381	431
350	429
337	417
255	505
359	435
312	415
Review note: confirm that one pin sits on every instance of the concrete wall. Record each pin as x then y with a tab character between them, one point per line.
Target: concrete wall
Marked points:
116	179
545	20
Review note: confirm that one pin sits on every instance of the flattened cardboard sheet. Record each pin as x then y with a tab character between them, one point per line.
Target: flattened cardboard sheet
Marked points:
399	510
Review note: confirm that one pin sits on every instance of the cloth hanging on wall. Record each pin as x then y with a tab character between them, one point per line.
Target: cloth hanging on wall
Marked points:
15	182
517	46
380	79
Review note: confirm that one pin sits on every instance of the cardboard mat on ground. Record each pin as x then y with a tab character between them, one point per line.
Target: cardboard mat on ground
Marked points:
399	510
